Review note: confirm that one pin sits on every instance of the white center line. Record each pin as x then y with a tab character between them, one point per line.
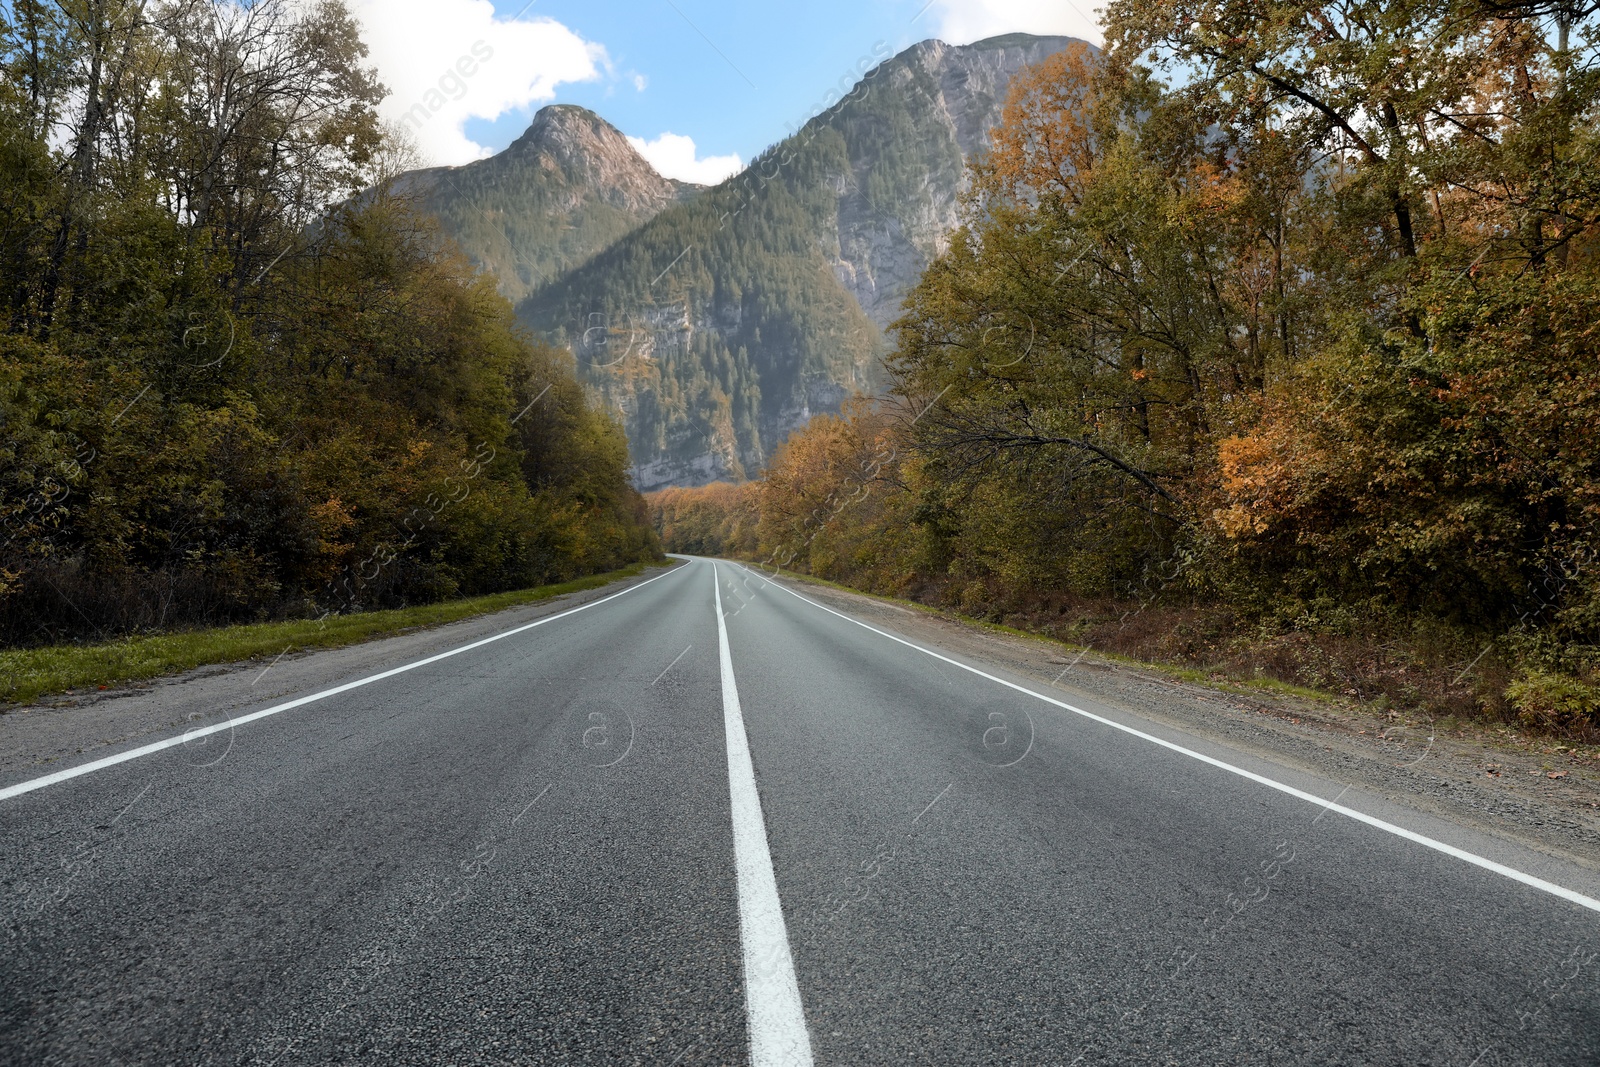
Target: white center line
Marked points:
1462	854
777	1022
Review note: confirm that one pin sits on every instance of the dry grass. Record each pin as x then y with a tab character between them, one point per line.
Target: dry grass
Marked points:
1430	670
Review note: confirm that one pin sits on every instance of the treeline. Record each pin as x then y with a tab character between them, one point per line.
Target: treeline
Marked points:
1270	340
238	378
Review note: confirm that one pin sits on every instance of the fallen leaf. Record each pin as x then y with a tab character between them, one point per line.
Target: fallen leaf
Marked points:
1556	774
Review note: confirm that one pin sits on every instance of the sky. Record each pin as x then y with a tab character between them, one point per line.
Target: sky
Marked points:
699	86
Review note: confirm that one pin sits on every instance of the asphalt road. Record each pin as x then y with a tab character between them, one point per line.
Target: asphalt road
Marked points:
708	821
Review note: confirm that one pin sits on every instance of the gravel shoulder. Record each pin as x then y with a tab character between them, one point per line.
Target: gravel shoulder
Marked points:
76	728
1540	793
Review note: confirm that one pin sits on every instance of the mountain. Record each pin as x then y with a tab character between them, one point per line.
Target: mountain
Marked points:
716	321
725	322
568	187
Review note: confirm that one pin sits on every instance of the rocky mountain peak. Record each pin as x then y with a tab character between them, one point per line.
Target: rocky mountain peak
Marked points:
973	78
954	95
590	153
568	187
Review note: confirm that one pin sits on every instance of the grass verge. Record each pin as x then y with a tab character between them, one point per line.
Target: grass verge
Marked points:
30	673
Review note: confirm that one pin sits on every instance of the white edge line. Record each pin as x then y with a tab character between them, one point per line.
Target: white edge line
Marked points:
776	1019
122	757
1327	805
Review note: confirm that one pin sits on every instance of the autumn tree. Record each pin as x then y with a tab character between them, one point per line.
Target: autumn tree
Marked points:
239	378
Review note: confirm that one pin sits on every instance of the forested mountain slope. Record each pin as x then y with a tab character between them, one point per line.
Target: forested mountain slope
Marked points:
725	322
568	187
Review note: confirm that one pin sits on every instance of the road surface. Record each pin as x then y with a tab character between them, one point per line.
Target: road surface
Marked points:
707	820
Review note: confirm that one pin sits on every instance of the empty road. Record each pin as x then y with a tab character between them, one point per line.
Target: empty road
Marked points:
704	819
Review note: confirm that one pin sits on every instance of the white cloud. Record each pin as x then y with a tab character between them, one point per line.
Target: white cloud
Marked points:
965	21
673	155
640	81
448	61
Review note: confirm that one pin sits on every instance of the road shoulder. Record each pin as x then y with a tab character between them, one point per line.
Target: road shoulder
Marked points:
47	736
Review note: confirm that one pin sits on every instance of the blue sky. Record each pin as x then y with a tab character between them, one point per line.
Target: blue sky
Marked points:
726	79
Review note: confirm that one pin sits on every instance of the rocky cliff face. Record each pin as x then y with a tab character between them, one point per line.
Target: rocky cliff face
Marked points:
568	187
956	94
